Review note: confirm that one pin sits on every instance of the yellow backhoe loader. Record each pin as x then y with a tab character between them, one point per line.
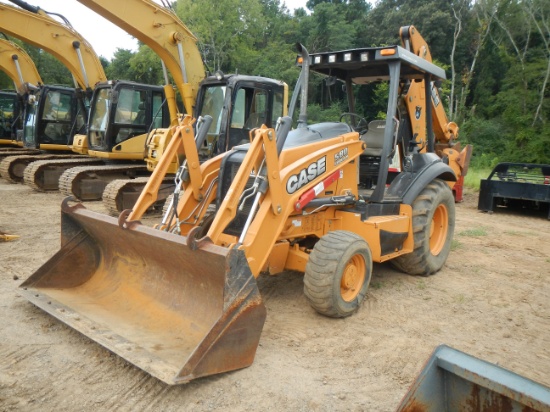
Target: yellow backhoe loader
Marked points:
20	68
237	102
53	115
180	300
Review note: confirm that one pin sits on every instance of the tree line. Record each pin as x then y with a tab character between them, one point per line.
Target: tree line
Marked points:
496	54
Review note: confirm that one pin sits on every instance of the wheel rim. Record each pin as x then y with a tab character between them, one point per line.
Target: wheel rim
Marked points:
438	229
353	278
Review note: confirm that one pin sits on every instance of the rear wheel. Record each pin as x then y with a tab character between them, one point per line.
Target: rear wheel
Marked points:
338	273
433	228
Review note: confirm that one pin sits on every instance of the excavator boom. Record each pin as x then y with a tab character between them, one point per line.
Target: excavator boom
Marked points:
164	33
63	42
18	65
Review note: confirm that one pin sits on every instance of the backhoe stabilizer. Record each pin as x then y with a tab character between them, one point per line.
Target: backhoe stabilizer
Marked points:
176	313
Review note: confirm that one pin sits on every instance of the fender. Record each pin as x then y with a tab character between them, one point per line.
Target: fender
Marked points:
425	168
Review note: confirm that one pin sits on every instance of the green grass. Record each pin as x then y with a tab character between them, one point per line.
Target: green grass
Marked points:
455	244
460	298
474	176
520	233
376	285
480	231
421	284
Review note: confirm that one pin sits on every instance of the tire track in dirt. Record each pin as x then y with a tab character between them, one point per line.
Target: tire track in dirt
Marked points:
490	300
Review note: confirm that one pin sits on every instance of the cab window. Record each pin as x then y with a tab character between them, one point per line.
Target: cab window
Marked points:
130	107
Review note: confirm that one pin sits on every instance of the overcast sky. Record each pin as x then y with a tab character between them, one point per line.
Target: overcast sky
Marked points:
104	36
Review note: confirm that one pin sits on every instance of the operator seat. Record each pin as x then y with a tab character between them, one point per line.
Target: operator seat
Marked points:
374	138
140	117
369	161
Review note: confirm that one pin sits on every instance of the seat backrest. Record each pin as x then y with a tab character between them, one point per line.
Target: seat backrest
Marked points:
254	120
140	117
374	138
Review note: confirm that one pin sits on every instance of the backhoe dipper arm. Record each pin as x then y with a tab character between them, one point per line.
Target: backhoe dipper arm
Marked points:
161	30
18	65
444	130
63	42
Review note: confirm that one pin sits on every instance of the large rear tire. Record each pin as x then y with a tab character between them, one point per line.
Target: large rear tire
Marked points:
338	274
433	227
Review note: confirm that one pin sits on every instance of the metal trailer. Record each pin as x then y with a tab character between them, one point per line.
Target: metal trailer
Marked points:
523	185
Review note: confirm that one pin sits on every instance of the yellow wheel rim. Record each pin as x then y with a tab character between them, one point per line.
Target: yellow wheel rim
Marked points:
438	229
353	278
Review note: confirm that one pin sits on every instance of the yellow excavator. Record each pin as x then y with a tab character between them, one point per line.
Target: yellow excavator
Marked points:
180	300
20	68
237	102
53	114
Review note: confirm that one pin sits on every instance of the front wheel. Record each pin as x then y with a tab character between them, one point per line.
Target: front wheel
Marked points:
433	227
338	274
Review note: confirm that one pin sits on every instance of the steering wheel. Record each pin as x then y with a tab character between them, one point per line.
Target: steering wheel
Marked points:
357	123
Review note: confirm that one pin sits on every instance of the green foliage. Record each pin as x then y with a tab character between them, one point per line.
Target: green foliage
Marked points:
329	29
474	176
224	29
488	138
476	232
51	70
5	82
504	98
119	68
146	66
316	113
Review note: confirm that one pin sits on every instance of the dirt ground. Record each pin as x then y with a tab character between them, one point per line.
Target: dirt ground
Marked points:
491	300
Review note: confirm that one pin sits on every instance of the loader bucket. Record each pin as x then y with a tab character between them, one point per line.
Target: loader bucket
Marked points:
176	313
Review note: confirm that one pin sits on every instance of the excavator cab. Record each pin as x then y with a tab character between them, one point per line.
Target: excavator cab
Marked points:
121	115
54	115
238	104
9	116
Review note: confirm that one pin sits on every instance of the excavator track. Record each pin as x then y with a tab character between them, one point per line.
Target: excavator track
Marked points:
12	168
89	182
17	151
122	194
43	175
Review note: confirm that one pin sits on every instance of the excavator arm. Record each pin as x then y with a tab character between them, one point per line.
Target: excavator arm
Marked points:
18	65
39	29
161	30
